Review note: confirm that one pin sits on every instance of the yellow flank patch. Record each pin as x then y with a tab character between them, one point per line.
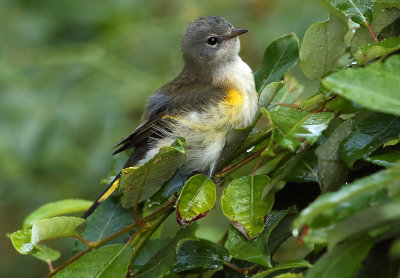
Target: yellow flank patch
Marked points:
170	117
109	191
234	97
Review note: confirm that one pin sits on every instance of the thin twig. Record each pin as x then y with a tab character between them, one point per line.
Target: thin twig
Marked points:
71	260
229	169
372	32
84	241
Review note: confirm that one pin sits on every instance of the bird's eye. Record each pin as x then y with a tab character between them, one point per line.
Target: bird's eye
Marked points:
212	41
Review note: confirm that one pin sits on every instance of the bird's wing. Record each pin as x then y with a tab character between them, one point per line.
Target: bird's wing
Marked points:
160	107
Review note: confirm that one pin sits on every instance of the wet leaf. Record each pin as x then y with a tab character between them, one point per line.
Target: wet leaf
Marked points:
139	183
288	265
280	56
322	45
359	11
199	255
342	260
242	204
55	209
388	159
268	93
196	199
333	207
110	261
256	250
291	126
378	49
332	171
374	87
370	133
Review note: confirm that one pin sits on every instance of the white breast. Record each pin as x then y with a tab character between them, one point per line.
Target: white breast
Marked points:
239	75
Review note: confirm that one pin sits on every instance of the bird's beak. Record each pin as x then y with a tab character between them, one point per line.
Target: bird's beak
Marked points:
236	32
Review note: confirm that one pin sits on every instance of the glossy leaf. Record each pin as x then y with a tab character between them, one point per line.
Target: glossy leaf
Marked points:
386	159
374	87
314	102
55	209
288	265
383	18
256	250
322	45
292	126
242	204
378	49
288	94
370	133
359	11
306	170
107	219
139	183
342	260
196	199
21	241
280	56
375	217
162	263
336	206
110	261
332	171
60	226
199	255
268	93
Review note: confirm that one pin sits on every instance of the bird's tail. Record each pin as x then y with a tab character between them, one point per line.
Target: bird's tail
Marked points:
107	192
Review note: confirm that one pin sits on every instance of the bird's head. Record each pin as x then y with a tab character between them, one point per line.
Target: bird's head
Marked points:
211	40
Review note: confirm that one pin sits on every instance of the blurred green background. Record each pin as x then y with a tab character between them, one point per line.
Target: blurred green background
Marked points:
74	76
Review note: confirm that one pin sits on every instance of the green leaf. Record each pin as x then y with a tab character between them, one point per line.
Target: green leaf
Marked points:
254	251
360	11
196	199
199	255
47	254
288	265
332	171
55	209
314	102
378	49
342	260
374	87
110	261
139	183
21	241
280	56
288	94
161	264
370	133
306	170
292	126
61	226
323	44
107	219
376	217
336	206
386	159
268	93
382	19
242	204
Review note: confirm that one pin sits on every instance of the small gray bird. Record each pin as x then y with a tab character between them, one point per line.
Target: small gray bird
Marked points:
214	92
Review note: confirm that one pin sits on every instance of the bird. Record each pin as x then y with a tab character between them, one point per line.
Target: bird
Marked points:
214	92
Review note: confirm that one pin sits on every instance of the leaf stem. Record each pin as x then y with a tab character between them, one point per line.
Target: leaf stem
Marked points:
84	241
371	31
229	169
71	260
